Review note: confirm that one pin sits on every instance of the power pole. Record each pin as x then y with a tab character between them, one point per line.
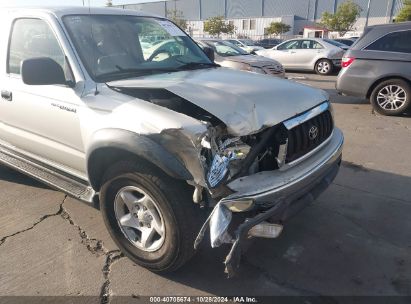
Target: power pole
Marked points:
368	13
308	10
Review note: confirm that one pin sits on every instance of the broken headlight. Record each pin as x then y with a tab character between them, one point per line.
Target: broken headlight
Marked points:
225	158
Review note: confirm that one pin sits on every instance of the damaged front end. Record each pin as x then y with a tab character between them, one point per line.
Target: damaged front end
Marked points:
270	176
266	175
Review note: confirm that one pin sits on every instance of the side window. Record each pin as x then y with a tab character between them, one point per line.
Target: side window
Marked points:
317	45
393	42
310	44
293	44
306	44
32	38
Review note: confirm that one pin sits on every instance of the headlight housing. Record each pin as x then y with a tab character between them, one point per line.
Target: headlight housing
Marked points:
256	70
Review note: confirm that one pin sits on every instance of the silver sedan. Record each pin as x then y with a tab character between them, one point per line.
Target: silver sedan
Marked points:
313	54
231	56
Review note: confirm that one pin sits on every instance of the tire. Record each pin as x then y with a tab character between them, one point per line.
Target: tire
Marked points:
324	67
171	209
391	97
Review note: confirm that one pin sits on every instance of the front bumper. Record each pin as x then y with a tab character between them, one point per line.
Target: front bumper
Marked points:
279	213
267	188
276	195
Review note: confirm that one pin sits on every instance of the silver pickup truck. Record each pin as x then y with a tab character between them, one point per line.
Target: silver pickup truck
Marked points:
123	110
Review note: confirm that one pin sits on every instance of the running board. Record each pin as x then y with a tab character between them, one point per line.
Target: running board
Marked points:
74	188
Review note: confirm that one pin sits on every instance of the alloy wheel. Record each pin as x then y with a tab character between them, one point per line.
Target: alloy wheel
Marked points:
391	97
139	218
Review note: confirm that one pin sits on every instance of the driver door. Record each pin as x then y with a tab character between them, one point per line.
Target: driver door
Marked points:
41	121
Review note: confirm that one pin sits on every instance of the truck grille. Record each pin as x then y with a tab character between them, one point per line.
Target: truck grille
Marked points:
307	136
274	69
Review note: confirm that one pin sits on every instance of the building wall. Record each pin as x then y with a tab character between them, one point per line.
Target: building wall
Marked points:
212	8
196	28
304	12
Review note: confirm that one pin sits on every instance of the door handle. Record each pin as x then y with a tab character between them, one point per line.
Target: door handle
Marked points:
7	95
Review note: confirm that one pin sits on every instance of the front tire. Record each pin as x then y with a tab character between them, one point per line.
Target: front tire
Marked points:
391	97
324	67
149	215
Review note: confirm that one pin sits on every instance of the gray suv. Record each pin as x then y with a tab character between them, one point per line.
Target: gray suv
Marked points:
378	67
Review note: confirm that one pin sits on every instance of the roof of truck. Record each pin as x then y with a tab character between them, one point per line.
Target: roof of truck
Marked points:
60	11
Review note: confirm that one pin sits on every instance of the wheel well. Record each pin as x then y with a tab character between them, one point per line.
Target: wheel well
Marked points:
101	159
377	82
321	59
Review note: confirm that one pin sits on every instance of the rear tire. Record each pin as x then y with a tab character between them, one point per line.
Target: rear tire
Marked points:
149	215
391	97
324	67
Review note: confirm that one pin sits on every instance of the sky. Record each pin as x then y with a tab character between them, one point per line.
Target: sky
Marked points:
14	3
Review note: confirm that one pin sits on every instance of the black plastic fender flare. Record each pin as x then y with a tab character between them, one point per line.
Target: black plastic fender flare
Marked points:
140	145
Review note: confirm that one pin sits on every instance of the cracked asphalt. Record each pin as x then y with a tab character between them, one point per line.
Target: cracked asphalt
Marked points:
354	240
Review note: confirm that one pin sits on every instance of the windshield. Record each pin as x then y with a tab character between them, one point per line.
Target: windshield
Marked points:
119	46
225	49
336	43
247	42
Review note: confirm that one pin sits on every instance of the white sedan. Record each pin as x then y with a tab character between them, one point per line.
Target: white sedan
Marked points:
246	44
313	54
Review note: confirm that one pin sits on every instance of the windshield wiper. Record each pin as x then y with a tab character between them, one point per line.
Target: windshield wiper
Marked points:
133	72
196	65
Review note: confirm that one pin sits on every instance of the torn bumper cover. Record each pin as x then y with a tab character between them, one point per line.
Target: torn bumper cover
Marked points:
303	184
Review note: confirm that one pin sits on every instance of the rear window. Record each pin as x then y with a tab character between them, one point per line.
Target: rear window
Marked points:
394	42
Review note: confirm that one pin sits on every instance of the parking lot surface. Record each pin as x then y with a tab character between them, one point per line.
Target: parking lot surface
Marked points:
354	240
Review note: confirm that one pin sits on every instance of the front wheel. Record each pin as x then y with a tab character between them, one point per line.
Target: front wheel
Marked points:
149	215
391	97
324	67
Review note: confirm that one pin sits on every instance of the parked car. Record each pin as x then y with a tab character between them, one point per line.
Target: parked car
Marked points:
160	145
346	41
378	67
162	49
313	54
246	44
230	56
268	43
336	43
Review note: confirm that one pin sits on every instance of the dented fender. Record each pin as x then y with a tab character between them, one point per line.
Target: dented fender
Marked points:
140	145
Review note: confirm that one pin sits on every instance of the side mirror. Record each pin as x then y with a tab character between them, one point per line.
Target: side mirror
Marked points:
209	52
42	71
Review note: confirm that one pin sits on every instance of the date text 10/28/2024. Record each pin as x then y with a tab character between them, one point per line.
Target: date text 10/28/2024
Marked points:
202	299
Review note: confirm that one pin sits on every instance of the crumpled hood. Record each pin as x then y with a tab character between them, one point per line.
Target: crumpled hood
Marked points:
255	61
245	102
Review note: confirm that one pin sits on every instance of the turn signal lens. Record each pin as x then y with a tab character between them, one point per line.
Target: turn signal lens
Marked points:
346	61
239	206
266	230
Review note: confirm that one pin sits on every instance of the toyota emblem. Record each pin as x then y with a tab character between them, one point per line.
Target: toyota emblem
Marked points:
313	132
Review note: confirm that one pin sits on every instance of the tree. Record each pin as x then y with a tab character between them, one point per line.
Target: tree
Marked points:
344	18
277	28
405	12
217	26
178	18
109	3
